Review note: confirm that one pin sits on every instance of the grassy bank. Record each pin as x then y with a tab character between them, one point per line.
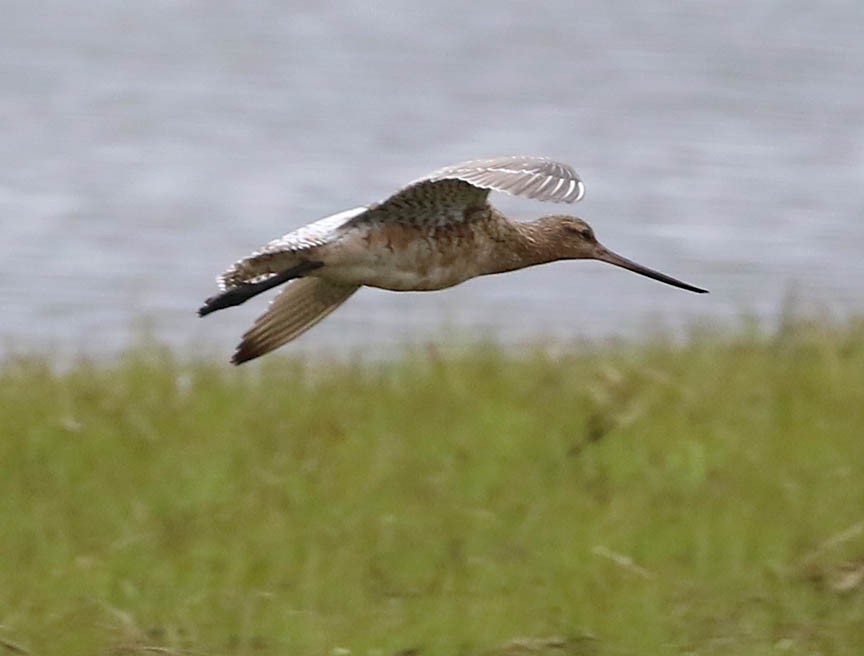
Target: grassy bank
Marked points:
704	498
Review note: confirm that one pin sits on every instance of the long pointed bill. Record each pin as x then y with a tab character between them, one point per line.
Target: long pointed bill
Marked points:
605	255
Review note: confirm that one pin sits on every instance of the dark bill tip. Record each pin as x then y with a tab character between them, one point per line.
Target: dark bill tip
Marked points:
605	255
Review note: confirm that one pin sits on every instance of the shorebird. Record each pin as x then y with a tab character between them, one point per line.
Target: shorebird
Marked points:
434	233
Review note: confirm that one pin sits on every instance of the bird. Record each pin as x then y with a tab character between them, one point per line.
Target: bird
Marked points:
434	233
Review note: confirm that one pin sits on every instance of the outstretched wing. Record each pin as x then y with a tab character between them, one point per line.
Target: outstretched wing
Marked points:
534	177
298	307
449	195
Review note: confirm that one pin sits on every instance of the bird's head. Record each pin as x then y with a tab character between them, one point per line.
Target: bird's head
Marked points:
571	238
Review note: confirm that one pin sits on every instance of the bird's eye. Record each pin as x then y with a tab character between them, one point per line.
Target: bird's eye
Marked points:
584	231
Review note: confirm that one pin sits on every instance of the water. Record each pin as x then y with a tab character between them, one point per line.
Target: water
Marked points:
145	146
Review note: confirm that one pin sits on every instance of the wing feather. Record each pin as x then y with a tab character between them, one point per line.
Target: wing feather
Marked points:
286	251
298	307
447	195
515	175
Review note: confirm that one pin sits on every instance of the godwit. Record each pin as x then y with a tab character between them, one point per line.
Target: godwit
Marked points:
435	233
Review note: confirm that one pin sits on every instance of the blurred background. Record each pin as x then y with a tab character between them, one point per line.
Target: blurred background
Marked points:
146	146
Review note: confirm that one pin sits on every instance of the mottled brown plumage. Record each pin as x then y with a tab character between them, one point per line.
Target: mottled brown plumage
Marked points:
433	234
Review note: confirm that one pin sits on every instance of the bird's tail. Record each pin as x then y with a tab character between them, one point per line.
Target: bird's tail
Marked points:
243	291
298	307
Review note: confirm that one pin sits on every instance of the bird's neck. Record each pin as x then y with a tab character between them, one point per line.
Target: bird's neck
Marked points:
519	245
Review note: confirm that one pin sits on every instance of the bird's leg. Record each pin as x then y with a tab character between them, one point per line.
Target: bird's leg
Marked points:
243	292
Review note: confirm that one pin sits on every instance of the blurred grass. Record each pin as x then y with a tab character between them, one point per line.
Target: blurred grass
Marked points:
653	498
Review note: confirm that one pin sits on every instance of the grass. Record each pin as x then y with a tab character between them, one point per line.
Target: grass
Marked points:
653	498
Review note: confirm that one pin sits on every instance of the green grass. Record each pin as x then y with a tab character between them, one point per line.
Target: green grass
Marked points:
654	498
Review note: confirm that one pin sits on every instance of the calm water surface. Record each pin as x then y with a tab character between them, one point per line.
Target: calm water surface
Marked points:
145	146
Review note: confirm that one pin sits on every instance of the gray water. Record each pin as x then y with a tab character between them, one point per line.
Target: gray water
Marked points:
144	146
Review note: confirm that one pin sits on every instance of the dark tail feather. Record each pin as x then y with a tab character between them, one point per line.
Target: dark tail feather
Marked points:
242	293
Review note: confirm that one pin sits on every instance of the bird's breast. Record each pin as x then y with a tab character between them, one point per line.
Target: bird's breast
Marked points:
407	258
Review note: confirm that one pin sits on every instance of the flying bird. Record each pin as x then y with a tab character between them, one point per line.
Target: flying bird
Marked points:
434	233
